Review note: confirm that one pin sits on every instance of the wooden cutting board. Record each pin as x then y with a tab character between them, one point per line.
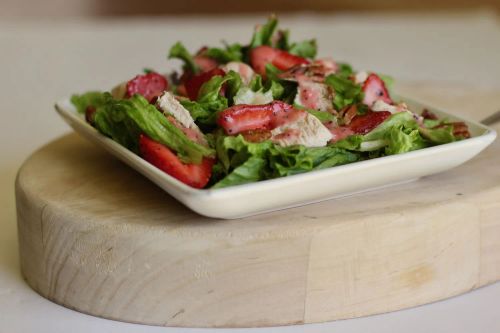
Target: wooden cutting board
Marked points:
97	237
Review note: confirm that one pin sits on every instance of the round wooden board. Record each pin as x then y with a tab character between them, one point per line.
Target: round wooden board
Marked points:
97	237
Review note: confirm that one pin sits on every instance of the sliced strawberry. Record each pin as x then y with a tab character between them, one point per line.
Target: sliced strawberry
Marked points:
285	60
365	123
195	175
241	118
260	57
203	62
149	85
374	89
181	90
263	55
193	83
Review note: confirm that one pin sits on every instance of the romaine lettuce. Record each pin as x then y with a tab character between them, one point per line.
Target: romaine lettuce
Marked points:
249	172
83	101
232	52
179	51
398	134
263	34
245	161
123	120
210	100
306	48
346	91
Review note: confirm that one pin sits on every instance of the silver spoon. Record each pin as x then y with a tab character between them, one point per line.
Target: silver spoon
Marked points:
491	119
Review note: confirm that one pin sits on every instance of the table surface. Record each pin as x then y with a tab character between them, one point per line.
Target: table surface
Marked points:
45	60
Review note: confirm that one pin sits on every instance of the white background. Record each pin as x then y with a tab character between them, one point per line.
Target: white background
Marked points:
42	61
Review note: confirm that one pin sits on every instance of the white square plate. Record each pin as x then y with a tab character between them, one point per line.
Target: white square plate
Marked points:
264	196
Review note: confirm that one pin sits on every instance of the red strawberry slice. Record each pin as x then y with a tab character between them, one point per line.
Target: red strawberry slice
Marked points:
263	55
203	62
149	85
243	117
374	90
195	175
285	60
365	123
193	83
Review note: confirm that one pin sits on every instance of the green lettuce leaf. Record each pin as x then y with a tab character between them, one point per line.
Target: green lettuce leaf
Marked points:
210	101
257	93
264	33
256	83
305	49
396	120
204	116
247	96
283	90
91	98
232	52
209	95
272	72
352	142
249	172
112	120
233	85
404	139
429	123
286	161
123	121
232	151
400	133
283	40
179	51
438	135
346	91
344	70
245	161
276	88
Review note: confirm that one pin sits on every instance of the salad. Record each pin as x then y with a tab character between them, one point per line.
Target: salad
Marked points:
239	114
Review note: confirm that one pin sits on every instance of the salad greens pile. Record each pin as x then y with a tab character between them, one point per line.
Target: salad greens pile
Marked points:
239	114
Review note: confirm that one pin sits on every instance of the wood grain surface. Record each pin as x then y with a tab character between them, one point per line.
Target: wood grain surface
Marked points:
97	237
